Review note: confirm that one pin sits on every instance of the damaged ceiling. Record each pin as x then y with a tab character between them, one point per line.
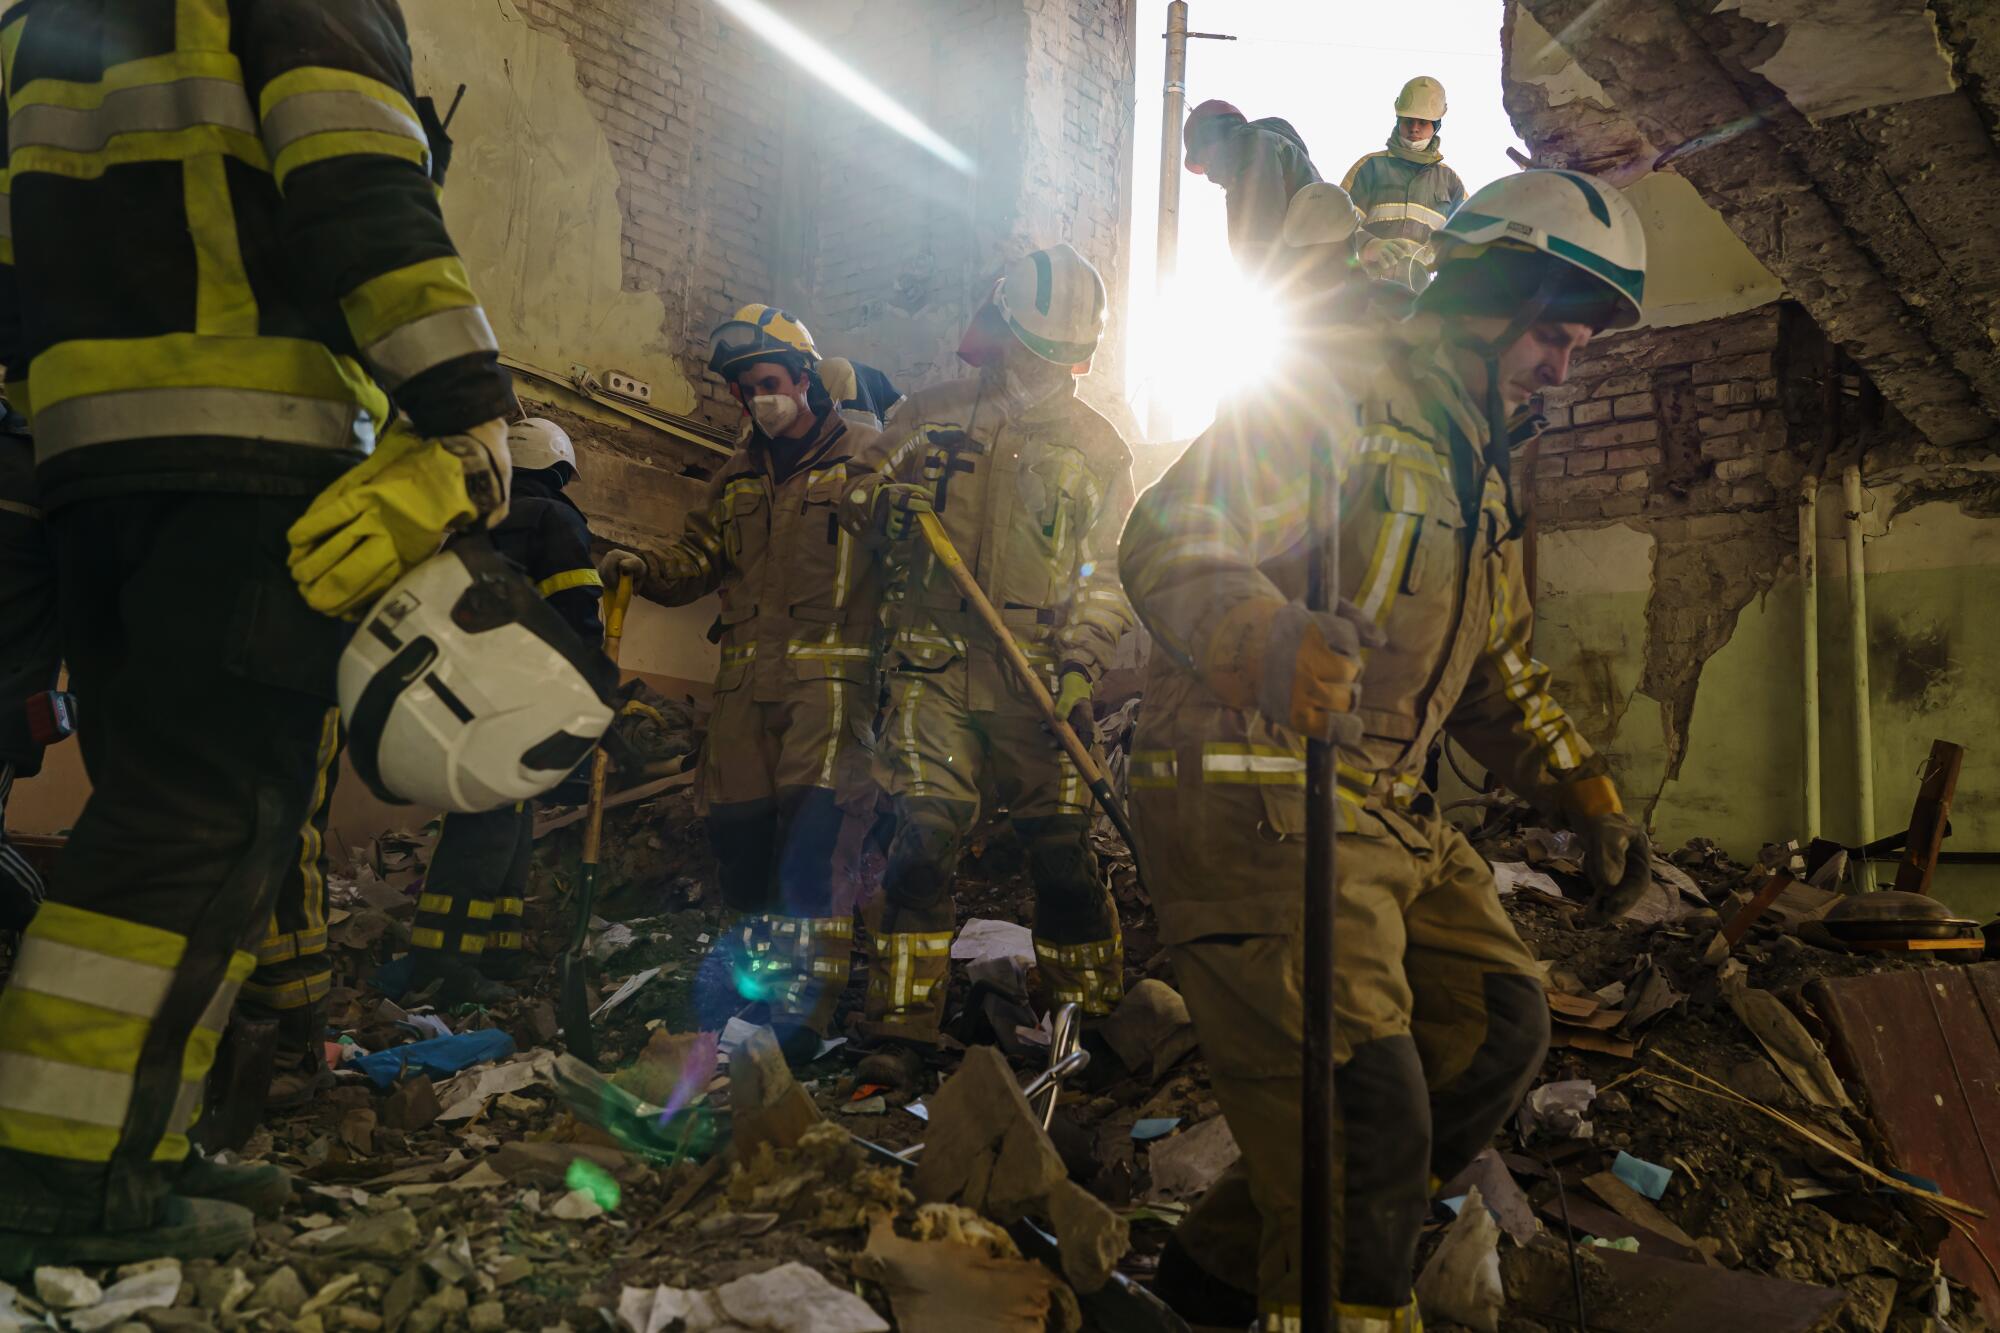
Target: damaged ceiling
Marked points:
1848	144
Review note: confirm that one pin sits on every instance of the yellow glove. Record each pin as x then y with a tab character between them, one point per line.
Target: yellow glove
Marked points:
391	513
1073	703
1617	857
1298	668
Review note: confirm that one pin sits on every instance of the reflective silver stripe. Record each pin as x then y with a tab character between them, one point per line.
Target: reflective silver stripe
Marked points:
305	114
88	977
141	414
428	341
63	1091
1251	763
217	1014
187	1105
150	107
1430	217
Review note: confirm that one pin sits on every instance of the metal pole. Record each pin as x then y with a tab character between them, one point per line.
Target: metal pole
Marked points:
1173	103
1322	891
1809	643
1857	615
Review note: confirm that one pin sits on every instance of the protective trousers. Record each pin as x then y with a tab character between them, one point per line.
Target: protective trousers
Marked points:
767	788
942	755
209	683
1441	1025
471	905
293	973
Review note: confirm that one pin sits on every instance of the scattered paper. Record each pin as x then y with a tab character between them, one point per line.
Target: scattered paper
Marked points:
737	1031
466	1096
919	1110
626	990
576	1206
788	1299
948	1286
1559	1109
982	938
1644	1176
1513	876
612	940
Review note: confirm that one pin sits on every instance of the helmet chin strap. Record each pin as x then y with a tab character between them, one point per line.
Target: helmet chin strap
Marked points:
1489	351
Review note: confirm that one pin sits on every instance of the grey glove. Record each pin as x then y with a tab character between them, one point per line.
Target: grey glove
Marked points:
1618	860
618	563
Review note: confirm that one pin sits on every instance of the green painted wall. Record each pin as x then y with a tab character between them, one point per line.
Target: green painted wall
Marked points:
1934	616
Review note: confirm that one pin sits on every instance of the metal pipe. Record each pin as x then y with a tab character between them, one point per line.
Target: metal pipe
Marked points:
1809	643
1857	615
1173	102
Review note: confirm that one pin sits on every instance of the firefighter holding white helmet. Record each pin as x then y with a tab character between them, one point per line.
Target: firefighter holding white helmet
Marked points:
1031	487
1440	1015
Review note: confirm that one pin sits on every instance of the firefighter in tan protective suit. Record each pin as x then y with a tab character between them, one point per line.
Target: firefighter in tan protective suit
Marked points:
799	608
1032	487
1441	1020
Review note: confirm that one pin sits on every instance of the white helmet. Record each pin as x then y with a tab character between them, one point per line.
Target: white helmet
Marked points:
1053	300
1320	214
463	690
1579	219
1422	98
538	443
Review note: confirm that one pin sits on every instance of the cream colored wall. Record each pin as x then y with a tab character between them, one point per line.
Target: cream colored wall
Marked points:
532	198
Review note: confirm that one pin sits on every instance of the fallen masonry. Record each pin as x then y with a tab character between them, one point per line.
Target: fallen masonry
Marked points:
1712	1134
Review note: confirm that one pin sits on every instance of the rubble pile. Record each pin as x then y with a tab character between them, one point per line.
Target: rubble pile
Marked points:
463	1173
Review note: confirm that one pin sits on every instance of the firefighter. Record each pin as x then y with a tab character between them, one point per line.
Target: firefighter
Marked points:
467	934
1441	1020
1260	165
225	252
797	676
1404	190
1031	486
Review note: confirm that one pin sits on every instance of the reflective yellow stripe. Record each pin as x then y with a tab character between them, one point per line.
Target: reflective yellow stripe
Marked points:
314	114
503	939
107	936
1406	212
1263	764
1153	768
508	907
283	389
914	964
283	946
836	727
60	1090
569	578
147	108
296	993
423	937
828	652
913	753
438	903
419	316
479	909
739	652
48	967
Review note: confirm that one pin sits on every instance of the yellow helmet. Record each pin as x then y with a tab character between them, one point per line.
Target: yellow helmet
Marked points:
1422	98
757	333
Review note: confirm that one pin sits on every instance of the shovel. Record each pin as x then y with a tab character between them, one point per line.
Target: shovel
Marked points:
1079	754
574	1006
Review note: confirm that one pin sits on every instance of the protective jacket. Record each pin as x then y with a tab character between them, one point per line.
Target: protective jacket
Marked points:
1423	522
799	594
549	538
230	247
1033	497
1260	165
1404	193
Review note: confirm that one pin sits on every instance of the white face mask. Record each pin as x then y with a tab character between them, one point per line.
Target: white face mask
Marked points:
774	413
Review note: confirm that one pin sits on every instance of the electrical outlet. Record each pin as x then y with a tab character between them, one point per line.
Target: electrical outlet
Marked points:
618	382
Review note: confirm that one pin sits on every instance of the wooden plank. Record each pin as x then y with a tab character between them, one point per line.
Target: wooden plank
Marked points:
1734	929
1928	816
1926	1048
1976	944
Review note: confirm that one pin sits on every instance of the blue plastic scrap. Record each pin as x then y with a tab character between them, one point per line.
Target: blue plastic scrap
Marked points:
1642	1175
1145	1131
437	1057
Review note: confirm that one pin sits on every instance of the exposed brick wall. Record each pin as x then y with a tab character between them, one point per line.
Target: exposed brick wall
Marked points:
1670	423
745	180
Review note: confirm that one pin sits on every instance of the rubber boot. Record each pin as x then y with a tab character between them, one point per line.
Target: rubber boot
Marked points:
184	1228
298	1069
1198	1297
463	983
261	1187
894	1065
